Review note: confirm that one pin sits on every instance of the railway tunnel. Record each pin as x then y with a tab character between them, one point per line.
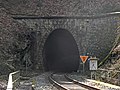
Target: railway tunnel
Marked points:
93	39
60	52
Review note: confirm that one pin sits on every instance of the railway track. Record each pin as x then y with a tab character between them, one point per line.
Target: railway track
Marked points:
63	82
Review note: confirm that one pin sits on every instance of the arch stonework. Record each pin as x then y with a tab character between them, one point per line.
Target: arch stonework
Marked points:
93	36
60	52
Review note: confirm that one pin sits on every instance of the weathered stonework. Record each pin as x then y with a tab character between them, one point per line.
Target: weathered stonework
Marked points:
60	7
93	36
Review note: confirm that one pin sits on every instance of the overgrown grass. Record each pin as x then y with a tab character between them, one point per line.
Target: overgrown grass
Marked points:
4	77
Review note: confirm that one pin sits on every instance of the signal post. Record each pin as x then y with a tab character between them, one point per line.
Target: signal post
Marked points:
93	66
84	59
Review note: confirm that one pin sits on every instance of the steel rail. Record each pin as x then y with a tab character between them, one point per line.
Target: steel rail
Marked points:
56	84
62	87
81	84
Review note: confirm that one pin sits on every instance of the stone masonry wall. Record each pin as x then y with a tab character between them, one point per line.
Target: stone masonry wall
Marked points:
60	7
93	36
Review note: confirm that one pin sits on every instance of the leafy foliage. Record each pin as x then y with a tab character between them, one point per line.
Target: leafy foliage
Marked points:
14	38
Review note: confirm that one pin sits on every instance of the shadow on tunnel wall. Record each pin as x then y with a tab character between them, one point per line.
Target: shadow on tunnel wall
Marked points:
60	52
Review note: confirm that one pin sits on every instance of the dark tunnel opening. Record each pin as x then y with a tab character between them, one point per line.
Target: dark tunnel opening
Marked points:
60	52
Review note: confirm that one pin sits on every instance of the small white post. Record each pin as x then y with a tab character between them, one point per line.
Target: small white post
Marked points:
10	84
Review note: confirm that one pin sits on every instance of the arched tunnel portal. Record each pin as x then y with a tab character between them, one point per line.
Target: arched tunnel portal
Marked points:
60	52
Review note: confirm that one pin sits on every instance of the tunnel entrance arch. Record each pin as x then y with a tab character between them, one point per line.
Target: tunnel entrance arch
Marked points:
60	52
